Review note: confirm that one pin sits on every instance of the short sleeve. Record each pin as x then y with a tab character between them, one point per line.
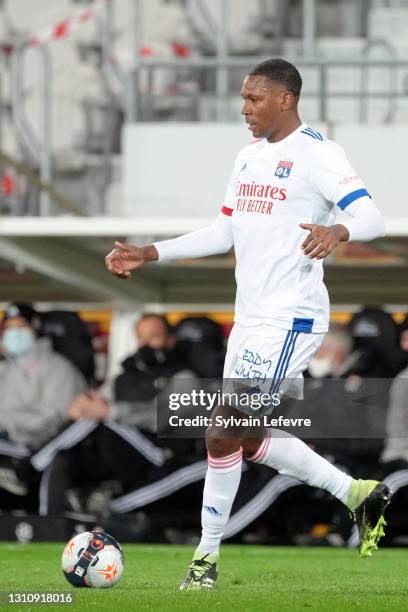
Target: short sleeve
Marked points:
335	178
228	204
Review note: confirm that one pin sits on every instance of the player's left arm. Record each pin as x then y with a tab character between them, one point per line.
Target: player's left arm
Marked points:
336	180
322	240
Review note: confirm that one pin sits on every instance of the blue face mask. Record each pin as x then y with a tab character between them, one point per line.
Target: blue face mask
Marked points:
17	341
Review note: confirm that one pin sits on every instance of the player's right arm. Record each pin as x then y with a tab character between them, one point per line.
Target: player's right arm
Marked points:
125	258
216	238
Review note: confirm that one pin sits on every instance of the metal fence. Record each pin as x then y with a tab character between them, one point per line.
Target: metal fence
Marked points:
179	88
143	102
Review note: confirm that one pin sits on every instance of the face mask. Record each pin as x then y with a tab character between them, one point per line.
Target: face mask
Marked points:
17	341
320	367
152	357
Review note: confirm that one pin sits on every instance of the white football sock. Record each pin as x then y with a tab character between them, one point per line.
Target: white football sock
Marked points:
289	455
221	486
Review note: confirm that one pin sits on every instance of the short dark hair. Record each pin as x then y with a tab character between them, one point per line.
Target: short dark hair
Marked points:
280	71
160	317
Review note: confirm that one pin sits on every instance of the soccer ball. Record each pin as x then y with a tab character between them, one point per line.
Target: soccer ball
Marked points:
93	559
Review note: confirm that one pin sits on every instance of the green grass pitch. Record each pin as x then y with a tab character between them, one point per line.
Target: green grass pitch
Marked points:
251	578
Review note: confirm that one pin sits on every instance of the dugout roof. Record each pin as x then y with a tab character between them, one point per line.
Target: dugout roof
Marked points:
62	260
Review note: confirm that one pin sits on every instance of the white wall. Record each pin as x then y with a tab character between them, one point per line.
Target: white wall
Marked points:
379	156
182	169
178	169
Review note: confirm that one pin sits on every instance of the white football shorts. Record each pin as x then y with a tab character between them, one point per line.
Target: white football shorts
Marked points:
271	359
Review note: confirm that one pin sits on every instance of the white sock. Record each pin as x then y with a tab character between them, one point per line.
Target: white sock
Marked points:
221	486
289	455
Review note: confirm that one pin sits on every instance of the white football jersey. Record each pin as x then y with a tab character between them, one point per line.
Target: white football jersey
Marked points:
273	188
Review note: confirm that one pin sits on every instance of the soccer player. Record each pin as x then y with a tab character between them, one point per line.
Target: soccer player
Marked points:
278	213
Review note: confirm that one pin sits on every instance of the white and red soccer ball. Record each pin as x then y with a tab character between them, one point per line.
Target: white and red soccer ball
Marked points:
93	559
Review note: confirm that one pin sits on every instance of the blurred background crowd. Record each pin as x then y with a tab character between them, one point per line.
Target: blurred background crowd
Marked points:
87	450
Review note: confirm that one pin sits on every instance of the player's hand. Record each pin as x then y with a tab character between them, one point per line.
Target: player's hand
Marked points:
322	240
126	257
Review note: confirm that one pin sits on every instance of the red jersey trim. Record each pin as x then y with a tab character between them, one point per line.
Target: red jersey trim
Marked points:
227	211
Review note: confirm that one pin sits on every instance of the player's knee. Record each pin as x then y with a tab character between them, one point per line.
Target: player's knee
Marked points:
251	446
219	444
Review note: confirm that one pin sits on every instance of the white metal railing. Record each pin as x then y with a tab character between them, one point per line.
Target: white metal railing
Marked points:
38	145
391	93
221	65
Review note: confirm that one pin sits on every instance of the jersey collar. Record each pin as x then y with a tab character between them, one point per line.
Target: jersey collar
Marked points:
287	138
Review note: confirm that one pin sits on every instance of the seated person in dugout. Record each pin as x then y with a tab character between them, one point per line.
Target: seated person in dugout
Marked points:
395	454
353	436
125	412
130	398
37	385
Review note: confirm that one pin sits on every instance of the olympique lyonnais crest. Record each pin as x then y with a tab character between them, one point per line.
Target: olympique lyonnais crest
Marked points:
283	169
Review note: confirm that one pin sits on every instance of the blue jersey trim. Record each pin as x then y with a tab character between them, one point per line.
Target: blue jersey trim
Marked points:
351	197
282	353
302	325
290	355
287	350
312	133
281	361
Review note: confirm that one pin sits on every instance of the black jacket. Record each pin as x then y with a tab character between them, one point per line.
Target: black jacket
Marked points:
146	373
